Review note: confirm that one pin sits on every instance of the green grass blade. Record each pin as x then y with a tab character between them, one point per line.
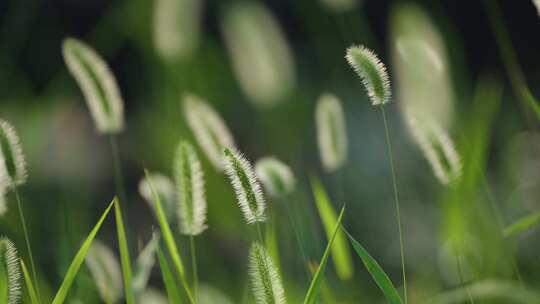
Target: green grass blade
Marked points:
169	240
341	254
314	287
124	252
376	272
79	260
31	290
168	279
521	225
489	290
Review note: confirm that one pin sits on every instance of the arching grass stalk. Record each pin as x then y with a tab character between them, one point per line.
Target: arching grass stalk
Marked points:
194	267
27	240
396	200
509	57
375	79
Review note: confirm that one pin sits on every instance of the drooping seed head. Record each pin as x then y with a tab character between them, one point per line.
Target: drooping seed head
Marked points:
164	188
98	85
189	179
210	131
176	28
246	186
265	280
372	72
438	148
256	42
276	177
331	132
10	264
537	4
105	271
12	162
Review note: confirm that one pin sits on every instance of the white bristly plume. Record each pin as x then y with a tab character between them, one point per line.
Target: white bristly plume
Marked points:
276	177
331	132
12	162
189	179
211	132
429	137
97	84
372	72
266	282
10	261
246	186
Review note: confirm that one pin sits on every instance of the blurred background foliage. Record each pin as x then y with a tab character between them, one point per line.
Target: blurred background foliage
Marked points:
265	82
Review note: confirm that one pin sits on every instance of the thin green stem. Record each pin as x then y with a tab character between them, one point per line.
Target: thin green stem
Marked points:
27	240
462	277
396	201
194	267
509	57
297	236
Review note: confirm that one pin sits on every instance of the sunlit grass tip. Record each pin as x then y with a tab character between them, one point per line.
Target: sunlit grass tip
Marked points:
189	179
438	149
331	132
164	186
246	186
210	130
12	163
10	263
276	177
105	271
372	72
266	282
97	83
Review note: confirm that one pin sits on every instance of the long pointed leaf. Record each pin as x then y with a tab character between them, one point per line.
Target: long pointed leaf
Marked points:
78	260
169	240
168	279
31	290
341	254
124	252
314	287
376	272
522	224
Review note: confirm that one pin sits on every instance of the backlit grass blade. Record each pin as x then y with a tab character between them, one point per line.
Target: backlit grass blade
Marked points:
78	260
376	272
488	290
523	224
314	287
168	279
341	254
169	240
30	289
124	252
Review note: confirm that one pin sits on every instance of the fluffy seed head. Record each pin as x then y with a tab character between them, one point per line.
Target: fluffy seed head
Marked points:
246	186
189	179
210	131
276	177
105	271
176	27
372	72
165	189
438	148
331	132
10	263
537	4
97	84
266	283
12	163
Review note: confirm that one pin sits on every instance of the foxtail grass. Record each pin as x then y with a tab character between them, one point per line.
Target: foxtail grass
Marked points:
331	132
266	282
9	260
377	84
105	270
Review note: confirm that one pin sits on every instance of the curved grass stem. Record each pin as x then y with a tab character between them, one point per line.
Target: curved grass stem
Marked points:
194	267
396	201
27	240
